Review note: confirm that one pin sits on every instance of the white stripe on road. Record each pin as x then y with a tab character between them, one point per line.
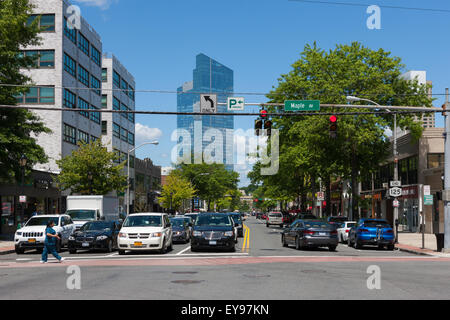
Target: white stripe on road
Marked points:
184	250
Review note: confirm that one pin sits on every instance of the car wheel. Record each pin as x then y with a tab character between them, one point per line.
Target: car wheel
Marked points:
358	245
380	247
73	251
170	246
109	248
297	243
121	252
20	251
332	248
391	247
342	238
349	242
193	249
283	240
233	249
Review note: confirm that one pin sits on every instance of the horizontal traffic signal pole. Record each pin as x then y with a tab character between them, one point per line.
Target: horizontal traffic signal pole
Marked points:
381	110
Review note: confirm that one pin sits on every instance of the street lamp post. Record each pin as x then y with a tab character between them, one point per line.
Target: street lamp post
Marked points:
23	164
128	171
394	148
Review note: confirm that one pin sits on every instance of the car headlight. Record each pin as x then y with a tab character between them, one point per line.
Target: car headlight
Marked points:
156	235
102	238
197	234
71	238
122	235
18	233
229	233
178	233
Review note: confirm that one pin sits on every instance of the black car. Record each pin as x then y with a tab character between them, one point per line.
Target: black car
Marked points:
95	235
310	233
237	219
305	216
337	220
213	230
180	229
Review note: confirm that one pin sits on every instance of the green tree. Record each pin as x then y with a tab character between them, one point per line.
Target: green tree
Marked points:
18	127
93	160
176	190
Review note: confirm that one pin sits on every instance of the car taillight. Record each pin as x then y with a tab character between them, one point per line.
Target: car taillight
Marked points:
363	230
346	231
389	231
334	232
308	232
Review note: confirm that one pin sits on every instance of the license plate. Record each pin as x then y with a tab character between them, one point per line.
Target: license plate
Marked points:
213	243
31	240
138	244
322	233
85	244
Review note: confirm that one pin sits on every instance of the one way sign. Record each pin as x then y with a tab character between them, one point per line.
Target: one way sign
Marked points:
208	103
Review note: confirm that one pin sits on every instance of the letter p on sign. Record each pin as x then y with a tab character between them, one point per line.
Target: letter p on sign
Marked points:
236	104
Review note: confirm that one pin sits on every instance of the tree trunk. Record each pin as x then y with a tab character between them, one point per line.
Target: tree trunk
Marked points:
327	181
355	167
313	190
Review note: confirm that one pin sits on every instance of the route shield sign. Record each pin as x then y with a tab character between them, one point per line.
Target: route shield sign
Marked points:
236	104
395	192
302	105
208	103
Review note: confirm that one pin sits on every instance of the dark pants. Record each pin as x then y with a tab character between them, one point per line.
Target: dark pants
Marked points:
52	249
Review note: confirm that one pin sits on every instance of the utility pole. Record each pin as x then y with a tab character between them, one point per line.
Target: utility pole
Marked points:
395	169
446	193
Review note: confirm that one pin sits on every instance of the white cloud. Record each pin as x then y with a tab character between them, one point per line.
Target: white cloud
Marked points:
103	4
146	134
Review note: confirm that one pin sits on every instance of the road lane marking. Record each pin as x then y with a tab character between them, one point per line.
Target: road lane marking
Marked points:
246	236
184	250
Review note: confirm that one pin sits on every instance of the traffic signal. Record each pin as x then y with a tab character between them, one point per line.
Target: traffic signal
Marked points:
333	127
258	127
263	114
268	127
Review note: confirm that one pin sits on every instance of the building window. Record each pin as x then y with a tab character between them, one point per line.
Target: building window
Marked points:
123	134
117	152
70	134
43	95
123	107
116	79
116	130
131	138
82	104
70	32
131	117
104	101
46	23
70	99
83	76
95	116
104	75
131	93
132	159
96	57
70	65
435	160
94	138
83	136
116	104
104	127
83	44
124	86
96	85
42	58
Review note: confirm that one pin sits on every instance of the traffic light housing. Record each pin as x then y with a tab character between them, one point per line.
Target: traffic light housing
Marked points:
268	127
258	127
333	127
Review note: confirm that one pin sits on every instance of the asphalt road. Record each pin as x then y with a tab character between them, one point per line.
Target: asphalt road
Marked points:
264	270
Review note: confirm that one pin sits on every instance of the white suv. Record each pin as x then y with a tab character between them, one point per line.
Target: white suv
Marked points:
32	235
275	218
146	231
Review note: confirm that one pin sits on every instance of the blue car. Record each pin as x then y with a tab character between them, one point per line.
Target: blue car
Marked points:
375	232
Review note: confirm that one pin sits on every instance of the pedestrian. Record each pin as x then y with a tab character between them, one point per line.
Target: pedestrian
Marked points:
50	243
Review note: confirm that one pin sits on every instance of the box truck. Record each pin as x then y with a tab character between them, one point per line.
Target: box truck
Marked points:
83	209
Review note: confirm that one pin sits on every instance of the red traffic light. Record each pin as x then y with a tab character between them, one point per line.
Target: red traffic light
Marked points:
333	119
263	113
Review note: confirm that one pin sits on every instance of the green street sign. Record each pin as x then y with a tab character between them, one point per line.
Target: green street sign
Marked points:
428	200
302	105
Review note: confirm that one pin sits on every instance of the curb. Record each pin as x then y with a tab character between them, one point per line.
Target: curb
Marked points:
421	253
5	252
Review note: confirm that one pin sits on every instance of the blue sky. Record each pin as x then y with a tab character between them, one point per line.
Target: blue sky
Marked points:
158	40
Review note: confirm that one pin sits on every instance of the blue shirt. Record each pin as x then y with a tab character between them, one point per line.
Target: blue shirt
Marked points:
50	240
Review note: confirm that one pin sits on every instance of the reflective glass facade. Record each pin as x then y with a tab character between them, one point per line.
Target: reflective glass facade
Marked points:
209	76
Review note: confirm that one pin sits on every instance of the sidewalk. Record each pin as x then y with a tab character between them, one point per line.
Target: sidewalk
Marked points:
6	247
412	242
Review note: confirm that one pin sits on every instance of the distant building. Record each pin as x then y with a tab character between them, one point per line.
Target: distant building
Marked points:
147	187
209	76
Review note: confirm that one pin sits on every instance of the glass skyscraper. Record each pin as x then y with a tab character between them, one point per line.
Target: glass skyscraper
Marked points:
209	76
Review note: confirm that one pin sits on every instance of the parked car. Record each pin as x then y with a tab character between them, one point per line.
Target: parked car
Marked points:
337	220
95	235
146	231
344	229
237	219
375	232
288	218
192	215
305	216
310	233
189	222
213	230
32	235
181	230
274	218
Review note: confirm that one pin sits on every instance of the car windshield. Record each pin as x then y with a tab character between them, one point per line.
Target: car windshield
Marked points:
307	216
351	224
42	221
213	220
338	219
177	222
275	215
192	216
96	226
316	224
82	215
143	221
376	224
236	219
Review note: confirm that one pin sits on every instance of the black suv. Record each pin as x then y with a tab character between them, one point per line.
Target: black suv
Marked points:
213	230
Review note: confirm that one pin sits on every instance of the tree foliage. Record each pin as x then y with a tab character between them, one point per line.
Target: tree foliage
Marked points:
176	190
18	127
93	160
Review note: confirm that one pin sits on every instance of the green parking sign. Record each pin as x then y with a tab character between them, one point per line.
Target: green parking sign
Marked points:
428	200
